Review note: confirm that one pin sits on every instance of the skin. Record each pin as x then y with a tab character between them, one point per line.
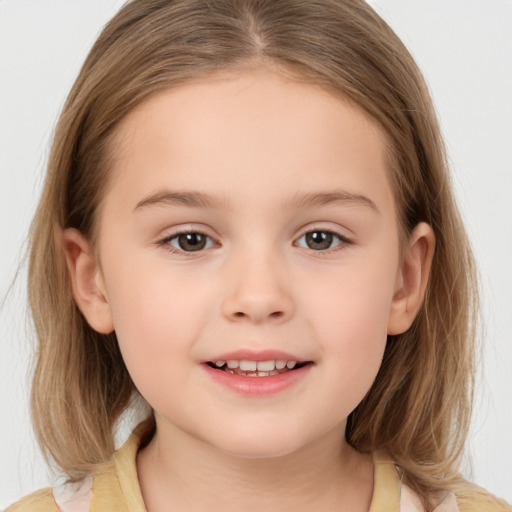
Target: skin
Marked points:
258	144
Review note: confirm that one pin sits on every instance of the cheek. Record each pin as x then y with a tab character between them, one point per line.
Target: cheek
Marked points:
354	299
350	317
157	318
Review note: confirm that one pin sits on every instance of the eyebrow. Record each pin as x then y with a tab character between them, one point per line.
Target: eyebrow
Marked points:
192	199
327	198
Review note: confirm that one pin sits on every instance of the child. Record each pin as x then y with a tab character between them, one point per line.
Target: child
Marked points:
248	223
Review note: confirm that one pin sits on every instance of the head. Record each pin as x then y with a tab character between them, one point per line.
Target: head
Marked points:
345	50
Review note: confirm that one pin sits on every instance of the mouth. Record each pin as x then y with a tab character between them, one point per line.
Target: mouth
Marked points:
248	368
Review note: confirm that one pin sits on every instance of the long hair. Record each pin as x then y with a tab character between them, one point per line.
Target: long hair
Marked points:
419	406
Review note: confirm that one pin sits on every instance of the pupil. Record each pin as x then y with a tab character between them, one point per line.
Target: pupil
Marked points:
192	241
319	240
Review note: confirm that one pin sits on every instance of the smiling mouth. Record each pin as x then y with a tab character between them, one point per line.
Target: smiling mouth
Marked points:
256	368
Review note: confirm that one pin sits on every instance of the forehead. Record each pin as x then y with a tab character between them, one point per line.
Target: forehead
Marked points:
256	132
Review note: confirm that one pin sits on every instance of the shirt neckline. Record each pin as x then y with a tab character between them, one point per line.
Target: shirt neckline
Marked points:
386	486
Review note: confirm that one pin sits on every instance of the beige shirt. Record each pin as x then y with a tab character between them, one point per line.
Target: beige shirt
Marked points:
117	489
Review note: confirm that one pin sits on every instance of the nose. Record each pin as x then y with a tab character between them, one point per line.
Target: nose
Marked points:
258	291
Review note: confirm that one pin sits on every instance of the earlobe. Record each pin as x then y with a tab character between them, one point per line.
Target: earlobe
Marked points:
412	279
87	281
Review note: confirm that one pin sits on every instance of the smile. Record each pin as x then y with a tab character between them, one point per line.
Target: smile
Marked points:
249	368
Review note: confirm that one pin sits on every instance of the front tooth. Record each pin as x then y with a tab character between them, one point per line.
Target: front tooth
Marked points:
232	364
248	366
280	365
219	364
266	366
291	364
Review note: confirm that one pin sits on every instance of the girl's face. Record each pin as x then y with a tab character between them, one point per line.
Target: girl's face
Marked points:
250	221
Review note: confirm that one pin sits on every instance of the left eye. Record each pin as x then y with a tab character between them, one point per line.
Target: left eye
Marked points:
320	240
190	242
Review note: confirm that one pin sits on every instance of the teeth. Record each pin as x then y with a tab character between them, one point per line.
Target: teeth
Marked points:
266	366
259	366
248	366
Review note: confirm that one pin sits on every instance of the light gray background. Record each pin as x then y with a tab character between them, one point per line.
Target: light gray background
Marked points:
464	47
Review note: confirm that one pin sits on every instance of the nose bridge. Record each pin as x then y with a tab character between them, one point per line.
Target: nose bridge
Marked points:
258	286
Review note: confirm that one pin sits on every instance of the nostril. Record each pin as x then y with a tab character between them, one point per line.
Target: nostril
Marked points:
274	314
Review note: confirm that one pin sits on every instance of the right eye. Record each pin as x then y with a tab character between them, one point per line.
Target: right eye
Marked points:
191	241
321	240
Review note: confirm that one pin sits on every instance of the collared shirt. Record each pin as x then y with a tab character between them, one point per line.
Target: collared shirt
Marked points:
116	488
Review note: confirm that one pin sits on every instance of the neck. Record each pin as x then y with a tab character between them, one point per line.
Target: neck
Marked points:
182	473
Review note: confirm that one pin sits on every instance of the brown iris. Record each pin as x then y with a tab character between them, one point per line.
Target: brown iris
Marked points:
319	240
191	241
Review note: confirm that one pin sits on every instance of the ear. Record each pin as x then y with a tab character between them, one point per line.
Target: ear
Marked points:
87	281
412	279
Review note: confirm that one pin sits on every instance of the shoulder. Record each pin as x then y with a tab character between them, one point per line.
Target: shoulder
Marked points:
476	499
392	493
69	496
472	499
112	486
39	501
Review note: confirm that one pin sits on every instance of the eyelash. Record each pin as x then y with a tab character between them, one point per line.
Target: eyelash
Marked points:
343	241
166	242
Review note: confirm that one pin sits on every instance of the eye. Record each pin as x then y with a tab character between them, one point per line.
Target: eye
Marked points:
189	242
319	240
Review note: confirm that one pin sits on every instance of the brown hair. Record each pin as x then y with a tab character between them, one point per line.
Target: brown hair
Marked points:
419	406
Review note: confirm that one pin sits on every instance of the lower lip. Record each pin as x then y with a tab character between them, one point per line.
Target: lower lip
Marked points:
257	385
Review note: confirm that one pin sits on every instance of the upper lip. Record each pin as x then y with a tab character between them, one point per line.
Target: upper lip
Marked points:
256	355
